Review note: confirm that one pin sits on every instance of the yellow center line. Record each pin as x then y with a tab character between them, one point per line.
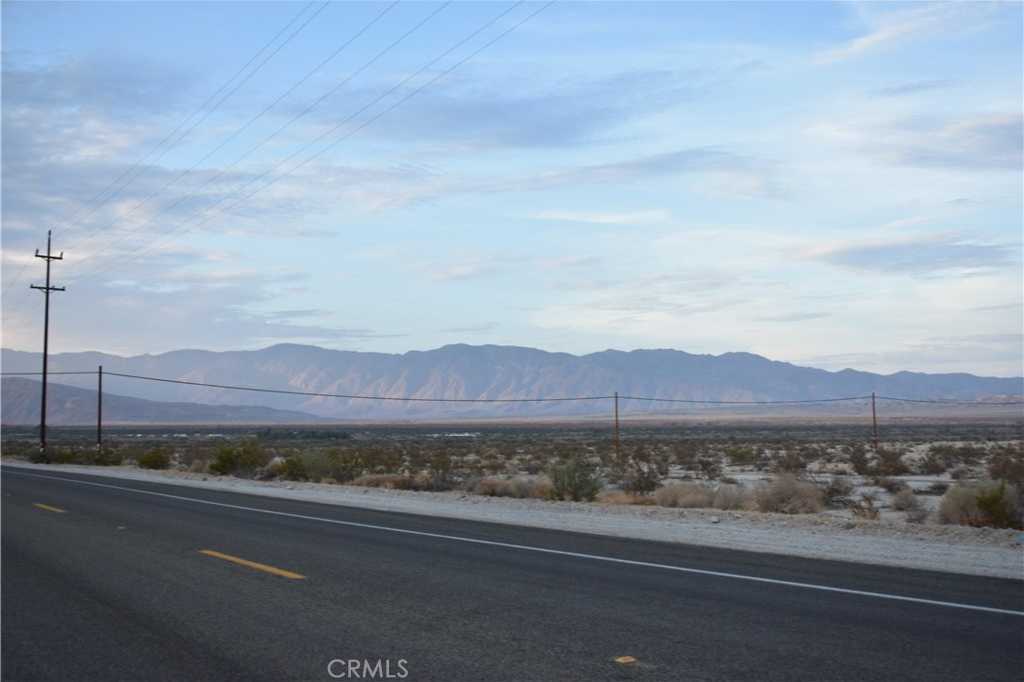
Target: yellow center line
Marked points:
56	510
252	564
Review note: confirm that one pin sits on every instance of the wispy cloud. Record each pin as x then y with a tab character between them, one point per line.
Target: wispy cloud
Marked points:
793	317
952	353
917	254
472	329
913	87
889	28
606	218
991	142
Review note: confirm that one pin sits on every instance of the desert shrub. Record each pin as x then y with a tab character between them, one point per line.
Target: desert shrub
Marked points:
889	485
905	500
574	479
999	506
244	457
967	454
686	495
440	470
1009	467
684	453
730	497
932	465
741	455
859	461
345	465
61	456
982	504
917	515
789	495
293	469
640	479
890	463
199	466
791	461
936	488
154	459
960	473
638	471
108	457
865	507
836	492
710	468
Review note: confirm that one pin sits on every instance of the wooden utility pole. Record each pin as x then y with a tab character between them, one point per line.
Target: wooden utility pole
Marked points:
46	289
617	453
99	408
874	421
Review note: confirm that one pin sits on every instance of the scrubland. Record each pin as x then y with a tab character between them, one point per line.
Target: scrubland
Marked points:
969	473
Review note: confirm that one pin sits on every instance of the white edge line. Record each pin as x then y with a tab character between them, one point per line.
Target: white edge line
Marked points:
544	550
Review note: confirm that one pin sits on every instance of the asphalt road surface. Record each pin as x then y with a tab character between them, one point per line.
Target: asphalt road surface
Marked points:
105	579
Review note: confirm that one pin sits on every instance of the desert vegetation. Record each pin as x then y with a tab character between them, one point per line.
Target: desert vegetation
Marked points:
975	479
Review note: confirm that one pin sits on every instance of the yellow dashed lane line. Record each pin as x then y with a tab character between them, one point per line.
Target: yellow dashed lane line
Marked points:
56	510
252	564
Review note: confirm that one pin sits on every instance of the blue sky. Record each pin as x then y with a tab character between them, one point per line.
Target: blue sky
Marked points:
838	185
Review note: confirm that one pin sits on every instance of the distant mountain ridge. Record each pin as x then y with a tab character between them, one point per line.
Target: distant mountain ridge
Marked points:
67	405
489	371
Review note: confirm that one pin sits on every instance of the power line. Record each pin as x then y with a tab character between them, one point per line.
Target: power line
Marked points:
235	89
349	118
131	211
26	374
400	101
78	217
360	397
940	401
222	172
258	389
743	402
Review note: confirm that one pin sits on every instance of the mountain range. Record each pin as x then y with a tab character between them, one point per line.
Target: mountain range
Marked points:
492	372
70	405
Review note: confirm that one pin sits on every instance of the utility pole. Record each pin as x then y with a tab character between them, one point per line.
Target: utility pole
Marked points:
874	421
99	409
46	333
617	453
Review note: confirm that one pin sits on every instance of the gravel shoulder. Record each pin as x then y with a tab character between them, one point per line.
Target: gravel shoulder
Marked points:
953	549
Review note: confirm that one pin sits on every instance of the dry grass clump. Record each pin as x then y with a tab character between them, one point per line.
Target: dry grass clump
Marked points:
729	497
396	482
388	481
905	500
521	488
623	497
701	496
789	495
685	495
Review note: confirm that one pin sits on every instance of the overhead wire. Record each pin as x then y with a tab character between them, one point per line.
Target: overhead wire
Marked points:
95	203
224	171
350	396
389	91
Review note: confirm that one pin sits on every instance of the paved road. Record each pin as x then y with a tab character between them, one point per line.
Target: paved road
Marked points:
110	582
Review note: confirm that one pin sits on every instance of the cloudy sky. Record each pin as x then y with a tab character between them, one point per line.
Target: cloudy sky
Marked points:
833	185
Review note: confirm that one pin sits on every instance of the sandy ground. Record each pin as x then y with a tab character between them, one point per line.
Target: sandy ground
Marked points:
955	549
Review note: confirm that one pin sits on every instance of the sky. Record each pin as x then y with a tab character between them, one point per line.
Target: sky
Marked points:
834	185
